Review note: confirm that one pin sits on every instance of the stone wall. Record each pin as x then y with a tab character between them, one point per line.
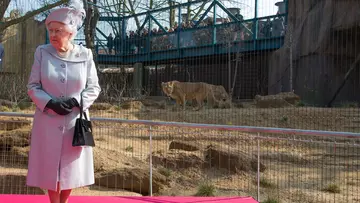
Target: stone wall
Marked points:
324	44
251	77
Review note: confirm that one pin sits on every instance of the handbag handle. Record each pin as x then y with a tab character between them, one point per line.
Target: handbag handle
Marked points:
81	108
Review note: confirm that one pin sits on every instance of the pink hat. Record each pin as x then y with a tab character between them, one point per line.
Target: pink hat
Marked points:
72	16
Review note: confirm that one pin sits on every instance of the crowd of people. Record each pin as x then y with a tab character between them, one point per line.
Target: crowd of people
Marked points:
166	38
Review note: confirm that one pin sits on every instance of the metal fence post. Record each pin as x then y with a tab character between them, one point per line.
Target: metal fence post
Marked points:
258	167
150	161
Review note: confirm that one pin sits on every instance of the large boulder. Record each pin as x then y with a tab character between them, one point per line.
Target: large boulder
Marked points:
133	105
100	106
231	159
115	169
13	123
16	157
178	160
186	146
18	137
106	160
7	103
16	184
283	99
134	179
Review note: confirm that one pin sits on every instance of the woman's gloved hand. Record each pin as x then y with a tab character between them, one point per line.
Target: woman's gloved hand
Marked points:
59	107
72	102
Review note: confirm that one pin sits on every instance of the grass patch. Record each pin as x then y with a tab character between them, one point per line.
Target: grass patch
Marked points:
332	188
165	171
265	183
129	149
206	189
271	200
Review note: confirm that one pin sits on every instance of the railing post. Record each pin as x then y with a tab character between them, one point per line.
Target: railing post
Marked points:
255	25
258	167
150	161
214	27
179	31
149	37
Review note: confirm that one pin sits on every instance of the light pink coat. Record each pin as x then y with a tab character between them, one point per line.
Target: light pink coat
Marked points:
51	135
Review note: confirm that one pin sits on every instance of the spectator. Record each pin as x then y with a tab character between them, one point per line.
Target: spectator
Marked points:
110	43
2	52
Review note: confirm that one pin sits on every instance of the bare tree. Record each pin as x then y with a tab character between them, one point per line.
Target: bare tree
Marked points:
92	17
4	4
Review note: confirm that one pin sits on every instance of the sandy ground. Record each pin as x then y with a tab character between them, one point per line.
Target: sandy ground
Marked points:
297	171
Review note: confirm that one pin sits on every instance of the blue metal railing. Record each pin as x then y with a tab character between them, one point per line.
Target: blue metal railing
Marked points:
145	45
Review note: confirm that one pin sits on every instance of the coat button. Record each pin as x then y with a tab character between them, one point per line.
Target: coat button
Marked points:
62	80
62	65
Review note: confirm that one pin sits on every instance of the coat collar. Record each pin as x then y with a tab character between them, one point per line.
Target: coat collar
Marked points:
78	54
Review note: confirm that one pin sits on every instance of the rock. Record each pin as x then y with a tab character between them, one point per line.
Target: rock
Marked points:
7	103
186	146
132	179
101	106
116	169
18	137
271	103
283	99
288	157
16	184
231	159
12	124
16	157
108	160
178	160
153	103
290	97
132	105
239	105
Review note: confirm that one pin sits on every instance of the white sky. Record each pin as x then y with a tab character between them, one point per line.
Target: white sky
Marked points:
265	8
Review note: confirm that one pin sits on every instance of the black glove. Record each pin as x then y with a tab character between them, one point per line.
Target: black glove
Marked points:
59	107
72	102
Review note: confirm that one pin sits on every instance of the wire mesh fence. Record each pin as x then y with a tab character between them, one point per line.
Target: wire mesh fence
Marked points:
284	65
183	159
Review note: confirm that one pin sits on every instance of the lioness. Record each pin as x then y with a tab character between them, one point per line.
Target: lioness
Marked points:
184	91
220	98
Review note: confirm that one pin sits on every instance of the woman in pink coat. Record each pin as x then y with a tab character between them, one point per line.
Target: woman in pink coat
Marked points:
62	72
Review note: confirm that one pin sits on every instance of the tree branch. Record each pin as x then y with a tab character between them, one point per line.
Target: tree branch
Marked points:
30	14
4	4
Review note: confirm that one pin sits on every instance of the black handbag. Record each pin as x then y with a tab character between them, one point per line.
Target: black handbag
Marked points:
83	130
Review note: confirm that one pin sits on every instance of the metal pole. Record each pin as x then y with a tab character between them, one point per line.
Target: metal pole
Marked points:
150	160
258	167
229	68
255	24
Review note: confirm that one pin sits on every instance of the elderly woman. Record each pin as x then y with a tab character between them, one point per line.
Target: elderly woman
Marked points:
61	75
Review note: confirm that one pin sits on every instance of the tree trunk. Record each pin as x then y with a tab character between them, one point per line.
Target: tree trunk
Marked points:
92	17
172	14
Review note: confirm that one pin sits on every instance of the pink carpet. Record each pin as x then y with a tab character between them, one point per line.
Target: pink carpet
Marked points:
109	199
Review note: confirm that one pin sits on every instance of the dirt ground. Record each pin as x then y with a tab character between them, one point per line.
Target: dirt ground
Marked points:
298	168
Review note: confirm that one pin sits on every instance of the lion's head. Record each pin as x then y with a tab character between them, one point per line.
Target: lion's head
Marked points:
168	87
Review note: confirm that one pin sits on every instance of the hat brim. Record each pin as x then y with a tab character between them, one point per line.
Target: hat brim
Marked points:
60	15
